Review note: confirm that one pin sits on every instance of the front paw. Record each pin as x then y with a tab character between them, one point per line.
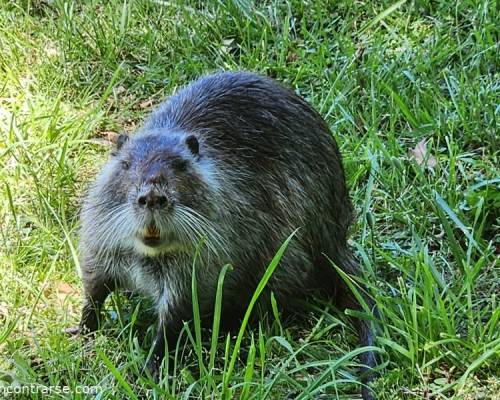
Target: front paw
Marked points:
72	331
80	330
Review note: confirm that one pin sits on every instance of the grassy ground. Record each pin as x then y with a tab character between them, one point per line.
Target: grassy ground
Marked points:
385	76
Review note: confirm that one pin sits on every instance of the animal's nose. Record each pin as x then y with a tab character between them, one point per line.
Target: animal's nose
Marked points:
152	200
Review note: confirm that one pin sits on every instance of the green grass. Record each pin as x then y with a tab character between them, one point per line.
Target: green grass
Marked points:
385	75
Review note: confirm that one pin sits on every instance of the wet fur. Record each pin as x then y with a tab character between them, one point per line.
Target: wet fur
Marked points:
267	164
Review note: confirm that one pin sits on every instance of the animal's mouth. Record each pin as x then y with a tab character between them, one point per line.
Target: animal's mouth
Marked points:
152	236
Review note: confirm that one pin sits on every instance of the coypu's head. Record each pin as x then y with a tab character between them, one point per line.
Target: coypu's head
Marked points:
156	195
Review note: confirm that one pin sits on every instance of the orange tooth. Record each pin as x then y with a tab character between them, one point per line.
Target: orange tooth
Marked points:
152	230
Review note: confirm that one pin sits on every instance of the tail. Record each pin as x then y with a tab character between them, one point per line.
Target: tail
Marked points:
346	299
368	359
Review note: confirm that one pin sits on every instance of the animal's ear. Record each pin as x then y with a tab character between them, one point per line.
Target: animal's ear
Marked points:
120	140
193	145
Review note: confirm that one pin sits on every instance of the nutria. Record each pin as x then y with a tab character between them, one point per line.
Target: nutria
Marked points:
236	162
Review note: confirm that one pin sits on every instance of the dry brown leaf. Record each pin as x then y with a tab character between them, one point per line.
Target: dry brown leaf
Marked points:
421	156
111	136
106	138
61	291
146	104
65	288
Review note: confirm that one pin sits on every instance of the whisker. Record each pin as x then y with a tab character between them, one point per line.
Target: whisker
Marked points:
203	228
210	226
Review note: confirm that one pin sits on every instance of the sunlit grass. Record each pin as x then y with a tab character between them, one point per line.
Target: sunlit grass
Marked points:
385	75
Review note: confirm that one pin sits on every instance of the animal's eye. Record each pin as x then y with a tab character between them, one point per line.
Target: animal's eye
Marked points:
125	164
180	165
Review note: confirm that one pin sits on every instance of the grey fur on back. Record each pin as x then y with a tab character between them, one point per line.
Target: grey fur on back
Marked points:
279	165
